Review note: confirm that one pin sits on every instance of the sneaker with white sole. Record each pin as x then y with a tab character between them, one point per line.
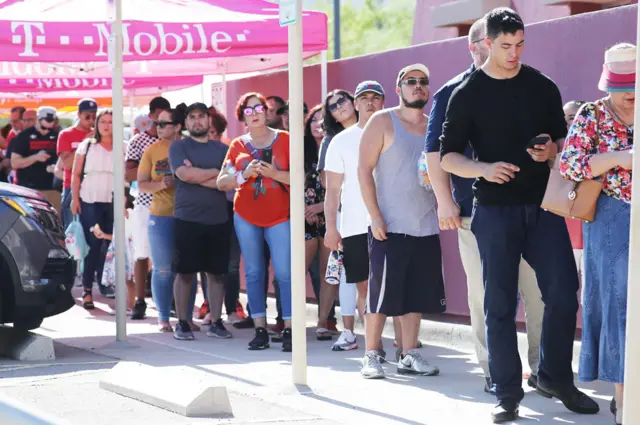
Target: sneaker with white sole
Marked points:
217	330
414	364
346	342
371	367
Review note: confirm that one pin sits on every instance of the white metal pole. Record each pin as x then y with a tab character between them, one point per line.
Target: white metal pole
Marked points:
118	169
296	164
324	75
631	409
224	91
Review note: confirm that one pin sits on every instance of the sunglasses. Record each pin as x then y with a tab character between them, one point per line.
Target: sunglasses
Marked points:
162	124
251	110
339	103
424	82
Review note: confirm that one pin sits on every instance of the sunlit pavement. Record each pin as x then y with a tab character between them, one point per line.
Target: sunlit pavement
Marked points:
259	383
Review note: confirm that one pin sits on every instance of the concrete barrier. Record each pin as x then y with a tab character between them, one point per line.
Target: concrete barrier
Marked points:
25	346
190	393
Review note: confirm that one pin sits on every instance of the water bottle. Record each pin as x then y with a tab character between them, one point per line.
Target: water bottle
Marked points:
334	268
423	172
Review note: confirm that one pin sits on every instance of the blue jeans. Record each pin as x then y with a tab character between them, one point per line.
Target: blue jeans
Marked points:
251	239
91	214
65	206
161	235
504	235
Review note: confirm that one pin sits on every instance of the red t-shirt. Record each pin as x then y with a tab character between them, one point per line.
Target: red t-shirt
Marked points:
271	207
10	136
68	141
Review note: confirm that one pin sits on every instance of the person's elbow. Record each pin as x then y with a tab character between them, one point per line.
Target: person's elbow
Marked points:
446	162
183	174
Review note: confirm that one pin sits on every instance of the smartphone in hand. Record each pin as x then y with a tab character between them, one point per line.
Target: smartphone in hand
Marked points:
267	156
539	140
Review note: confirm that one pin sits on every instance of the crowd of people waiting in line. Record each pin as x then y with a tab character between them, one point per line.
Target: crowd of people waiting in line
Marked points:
201	202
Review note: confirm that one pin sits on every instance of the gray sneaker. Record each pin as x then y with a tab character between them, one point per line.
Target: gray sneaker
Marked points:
414	364
371	367
382	355
346	342
183	331
217	330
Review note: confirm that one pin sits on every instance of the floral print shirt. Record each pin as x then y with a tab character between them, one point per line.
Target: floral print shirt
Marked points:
314	194
582	143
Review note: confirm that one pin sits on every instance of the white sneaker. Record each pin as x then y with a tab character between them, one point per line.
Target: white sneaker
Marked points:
346	342
414	364
371	367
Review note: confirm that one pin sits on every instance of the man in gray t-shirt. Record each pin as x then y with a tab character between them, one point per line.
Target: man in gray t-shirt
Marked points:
202	223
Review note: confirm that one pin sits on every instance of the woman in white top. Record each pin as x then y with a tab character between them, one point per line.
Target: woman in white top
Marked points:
92	198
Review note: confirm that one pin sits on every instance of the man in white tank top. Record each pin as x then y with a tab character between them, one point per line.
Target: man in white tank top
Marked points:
404	245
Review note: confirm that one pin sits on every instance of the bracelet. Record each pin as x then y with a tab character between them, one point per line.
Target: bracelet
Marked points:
240	178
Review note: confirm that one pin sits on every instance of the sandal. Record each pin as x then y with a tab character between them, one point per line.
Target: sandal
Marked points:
165	328
323	334
87	301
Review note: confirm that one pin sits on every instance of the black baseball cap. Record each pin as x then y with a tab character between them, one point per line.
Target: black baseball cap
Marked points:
198	106
87	105
159	103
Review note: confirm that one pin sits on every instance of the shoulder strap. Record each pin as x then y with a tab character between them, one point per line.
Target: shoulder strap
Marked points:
84	164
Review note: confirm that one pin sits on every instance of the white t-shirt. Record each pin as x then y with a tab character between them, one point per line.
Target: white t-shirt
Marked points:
97	185
342	158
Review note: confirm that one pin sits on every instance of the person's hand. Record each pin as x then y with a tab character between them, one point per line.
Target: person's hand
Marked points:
51	168
42	156
332	239
168	182
268	170
379	228
449	215
252	170
75	206
625	159
500	172
542	153
97	232
311	211
312	220
187	163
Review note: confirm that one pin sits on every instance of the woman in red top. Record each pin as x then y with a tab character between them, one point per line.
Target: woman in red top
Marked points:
261	210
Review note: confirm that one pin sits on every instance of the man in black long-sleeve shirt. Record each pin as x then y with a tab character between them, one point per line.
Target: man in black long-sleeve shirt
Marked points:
499	109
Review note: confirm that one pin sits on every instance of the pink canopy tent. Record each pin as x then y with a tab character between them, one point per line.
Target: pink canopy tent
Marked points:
62	38
138	85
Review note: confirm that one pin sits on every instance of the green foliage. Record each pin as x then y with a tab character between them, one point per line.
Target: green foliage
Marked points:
369	26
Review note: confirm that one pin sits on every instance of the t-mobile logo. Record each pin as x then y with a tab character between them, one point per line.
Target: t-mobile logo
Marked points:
146	39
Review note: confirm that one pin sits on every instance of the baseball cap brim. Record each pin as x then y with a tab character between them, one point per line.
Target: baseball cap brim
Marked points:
415	67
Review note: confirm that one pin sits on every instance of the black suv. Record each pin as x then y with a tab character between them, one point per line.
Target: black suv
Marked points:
36	270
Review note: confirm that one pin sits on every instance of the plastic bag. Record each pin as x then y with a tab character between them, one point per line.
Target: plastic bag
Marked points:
75	241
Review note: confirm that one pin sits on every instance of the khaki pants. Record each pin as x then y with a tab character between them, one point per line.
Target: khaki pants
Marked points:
529	291
55	198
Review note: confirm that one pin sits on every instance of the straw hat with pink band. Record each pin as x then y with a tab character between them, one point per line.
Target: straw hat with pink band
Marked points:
619	69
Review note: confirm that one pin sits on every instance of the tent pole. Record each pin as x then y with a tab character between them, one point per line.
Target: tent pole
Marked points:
223	107
296	169
631	409
118	169
324	75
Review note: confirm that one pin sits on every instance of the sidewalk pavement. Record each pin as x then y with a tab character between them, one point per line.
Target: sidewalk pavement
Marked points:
259	383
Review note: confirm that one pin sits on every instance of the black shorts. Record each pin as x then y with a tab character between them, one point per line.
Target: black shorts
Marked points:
355	252
202	247
406	275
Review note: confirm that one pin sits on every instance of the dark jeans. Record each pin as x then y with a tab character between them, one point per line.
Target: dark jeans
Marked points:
504	234
92	214
232	278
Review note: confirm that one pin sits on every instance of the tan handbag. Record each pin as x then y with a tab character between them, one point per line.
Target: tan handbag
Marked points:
571	199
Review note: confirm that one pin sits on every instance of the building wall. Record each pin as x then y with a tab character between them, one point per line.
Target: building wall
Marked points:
532	11
569	50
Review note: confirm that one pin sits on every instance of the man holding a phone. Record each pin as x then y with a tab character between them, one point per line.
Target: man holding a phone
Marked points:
498	110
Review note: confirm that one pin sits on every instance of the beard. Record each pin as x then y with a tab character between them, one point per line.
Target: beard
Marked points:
416	104
199	132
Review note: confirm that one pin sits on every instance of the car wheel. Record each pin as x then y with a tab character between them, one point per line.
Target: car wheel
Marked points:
28	325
